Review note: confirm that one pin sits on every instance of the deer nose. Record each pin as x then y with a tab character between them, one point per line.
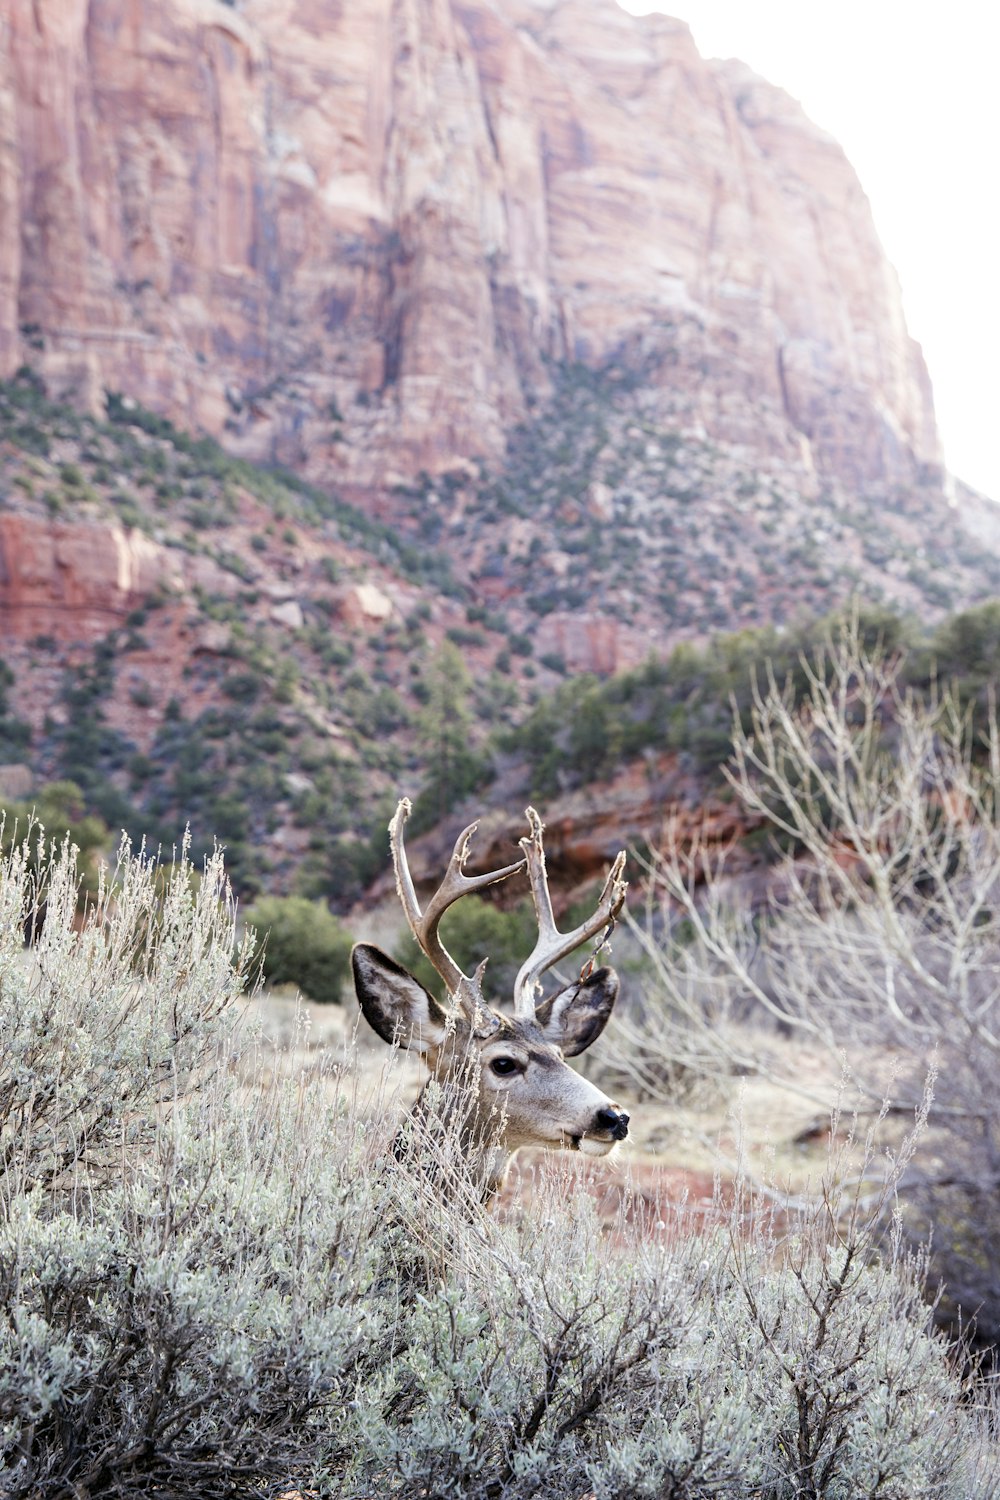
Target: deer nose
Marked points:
614	1121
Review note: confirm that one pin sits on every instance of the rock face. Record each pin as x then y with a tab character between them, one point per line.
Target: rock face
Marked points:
349	237
652	803
74	581
590	643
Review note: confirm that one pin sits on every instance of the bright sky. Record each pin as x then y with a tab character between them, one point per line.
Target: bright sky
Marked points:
910	90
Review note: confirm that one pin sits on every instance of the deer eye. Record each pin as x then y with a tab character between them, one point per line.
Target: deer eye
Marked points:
504	1066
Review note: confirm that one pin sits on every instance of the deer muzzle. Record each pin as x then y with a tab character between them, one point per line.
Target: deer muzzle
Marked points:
614	1121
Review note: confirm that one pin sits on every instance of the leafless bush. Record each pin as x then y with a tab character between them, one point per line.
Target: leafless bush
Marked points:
236	1288
879	935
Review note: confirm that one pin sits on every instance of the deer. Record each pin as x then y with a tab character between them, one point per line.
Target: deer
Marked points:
502	1077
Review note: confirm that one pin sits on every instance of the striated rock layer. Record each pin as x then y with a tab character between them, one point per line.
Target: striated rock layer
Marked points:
73	580
351	237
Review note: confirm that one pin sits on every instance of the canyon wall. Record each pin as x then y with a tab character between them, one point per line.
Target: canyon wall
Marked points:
352	238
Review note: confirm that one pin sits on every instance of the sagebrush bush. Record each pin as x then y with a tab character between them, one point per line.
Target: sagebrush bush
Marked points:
219	1281
106	1016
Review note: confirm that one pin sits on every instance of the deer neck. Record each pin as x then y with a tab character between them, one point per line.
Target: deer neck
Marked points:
475	1152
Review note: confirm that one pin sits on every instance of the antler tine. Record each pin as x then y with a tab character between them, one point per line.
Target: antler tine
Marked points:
552	945
424	925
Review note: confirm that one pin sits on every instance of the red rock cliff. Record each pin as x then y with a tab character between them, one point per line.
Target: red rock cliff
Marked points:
350	235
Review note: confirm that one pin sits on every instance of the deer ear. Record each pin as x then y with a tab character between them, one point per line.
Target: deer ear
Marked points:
578	1014
395	1005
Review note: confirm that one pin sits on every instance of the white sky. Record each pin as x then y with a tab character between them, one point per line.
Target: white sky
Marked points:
911	92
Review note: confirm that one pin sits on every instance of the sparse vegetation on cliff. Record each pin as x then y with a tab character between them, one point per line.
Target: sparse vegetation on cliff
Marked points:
15	733
187	463
609	502
239	693
200	706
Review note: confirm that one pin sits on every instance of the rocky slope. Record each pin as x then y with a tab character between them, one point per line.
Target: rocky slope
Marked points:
197	641
352	237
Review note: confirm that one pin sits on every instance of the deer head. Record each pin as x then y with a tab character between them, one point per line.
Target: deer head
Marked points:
506	1074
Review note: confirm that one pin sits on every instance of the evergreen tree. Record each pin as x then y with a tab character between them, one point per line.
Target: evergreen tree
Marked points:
454	769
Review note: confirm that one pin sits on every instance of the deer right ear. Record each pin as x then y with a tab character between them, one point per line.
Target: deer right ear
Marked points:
395	1005
578	1014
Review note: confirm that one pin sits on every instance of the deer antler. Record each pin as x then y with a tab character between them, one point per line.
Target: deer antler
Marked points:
424	925
552	945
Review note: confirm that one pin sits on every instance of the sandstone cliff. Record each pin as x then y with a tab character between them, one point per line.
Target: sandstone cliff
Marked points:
74	581
351	237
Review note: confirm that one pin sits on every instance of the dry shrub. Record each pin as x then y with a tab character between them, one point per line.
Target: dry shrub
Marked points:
875	935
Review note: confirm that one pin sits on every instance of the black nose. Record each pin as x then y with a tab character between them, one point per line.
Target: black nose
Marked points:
614	1121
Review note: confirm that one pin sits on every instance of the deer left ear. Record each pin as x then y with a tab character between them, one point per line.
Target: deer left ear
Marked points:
395	1005
578	1014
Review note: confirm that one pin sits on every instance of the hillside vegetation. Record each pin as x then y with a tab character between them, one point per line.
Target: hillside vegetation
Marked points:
249	696
608	503
687	702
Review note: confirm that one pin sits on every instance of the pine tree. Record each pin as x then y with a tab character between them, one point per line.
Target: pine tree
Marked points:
453	768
